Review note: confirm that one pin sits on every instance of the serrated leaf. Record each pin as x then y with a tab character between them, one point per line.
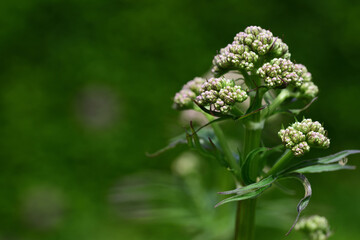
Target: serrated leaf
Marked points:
324	168
305	200
242	190
245	196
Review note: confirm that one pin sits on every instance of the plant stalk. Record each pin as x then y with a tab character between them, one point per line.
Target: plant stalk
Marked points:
283	95
282	162
245	219
245	214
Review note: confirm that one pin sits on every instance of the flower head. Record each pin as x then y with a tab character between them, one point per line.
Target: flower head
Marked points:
280	72
221	94
184	98
244	52
300	136
316	227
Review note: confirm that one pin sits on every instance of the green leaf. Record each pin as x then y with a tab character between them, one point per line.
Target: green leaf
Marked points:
245	196
337	156
324	168
242	190
305	200
251	161
322	161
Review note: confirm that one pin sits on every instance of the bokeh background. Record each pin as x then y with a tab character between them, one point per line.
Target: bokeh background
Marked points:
86	89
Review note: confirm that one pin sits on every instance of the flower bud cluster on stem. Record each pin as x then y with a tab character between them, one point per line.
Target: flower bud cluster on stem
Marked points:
246	50
301	135
220	94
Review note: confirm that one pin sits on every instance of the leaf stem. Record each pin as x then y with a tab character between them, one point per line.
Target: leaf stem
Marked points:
281	163
283	95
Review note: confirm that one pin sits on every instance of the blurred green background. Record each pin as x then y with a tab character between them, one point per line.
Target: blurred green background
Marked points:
87	87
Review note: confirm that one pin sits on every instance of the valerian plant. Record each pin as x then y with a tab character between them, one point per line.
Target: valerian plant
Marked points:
267	79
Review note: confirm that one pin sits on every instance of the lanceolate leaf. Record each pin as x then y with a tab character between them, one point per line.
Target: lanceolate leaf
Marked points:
305	200
242	190
324	168
323	161
248	195
337	156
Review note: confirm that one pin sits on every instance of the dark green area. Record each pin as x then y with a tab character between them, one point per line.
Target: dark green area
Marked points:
86	89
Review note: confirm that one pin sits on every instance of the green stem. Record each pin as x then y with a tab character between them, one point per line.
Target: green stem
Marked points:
245	221
245	214
283	95
282	162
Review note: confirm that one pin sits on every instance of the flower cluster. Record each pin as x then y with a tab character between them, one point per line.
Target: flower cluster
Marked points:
247	47
308	88
316	227
281	72
221	94
184	98
301	135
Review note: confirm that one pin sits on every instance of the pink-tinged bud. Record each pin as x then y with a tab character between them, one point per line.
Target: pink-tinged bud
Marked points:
300	136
